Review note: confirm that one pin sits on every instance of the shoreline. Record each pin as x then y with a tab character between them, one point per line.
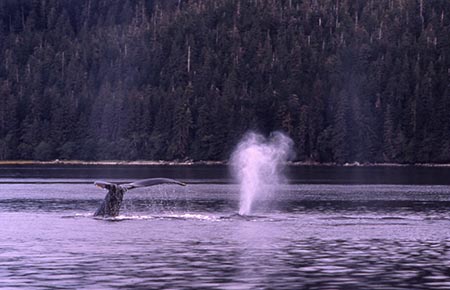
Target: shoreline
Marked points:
202	162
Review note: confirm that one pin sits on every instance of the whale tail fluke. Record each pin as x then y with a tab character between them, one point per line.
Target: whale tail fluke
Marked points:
139	183
110	206
151	182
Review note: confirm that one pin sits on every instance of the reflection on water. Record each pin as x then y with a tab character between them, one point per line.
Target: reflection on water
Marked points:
311	236
220	173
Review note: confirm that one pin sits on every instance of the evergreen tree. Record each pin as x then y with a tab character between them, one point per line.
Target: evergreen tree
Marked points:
349	81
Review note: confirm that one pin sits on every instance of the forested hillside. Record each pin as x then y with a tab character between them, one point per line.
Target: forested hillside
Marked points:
362	80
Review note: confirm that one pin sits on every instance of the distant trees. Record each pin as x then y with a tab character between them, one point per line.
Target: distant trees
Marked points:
363	81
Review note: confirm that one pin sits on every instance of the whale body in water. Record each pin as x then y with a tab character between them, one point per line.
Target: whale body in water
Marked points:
110	206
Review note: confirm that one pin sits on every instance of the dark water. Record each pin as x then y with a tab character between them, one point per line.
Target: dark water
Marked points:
330	228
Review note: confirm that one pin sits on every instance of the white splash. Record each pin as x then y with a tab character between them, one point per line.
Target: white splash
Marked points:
257	165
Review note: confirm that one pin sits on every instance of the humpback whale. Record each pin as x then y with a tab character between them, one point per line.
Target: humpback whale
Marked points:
110	206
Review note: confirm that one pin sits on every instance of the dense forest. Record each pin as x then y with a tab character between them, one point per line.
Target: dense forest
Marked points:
347	80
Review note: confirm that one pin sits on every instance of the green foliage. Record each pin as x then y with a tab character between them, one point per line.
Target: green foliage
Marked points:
67	150
363	81
43	151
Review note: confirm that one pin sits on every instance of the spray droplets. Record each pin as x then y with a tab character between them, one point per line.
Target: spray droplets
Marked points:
257	165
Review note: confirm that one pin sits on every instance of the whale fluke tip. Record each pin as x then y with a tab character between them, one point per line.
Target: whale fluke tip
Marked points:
102	184
153	181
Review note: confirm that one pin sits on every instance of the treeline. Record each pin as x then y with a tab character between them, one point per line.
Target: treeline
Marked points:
348	80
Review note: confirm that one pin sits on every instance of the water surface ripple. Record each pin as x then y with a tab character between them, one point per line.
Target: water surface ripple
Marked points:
310	236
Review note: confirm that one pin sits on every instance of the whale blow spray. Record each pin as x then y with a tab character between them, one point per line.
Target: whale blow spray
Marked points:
257	165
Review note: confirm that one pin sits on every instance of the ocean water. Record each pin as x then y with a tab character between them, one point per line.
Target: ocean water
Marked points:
329	228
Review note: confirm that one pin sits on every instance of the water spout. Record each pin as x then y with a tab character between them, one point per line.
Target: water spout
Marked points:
257	165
